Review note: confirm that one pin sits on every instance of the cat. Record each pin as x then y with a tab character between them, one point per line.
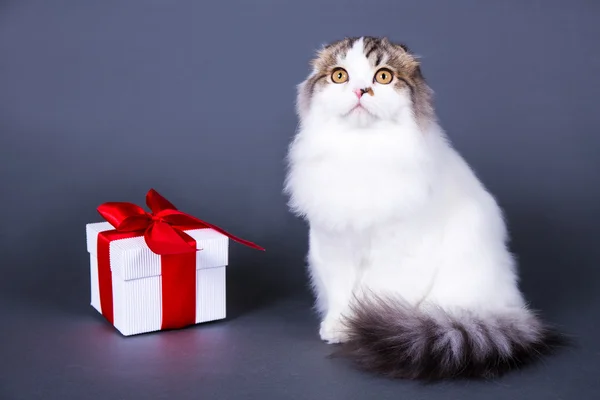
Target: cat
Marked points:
408	253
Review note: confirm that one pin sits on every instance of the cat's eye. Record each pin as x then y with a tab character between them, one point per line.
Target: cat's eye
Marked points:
384	76
339	75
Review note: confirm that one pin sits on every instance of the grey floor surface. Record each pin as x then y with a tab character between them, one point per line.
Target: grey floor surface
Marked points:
267	350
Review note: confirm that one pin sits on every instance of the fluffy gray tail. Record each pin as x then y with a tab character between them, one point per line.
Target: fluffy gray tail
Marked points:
396	340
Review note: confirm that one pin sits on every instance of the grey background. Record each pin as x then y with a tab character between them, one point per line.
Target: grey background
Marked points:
99	101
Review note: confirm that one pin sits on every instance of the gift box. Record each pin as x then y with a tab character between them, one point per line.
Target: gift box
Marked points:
159	270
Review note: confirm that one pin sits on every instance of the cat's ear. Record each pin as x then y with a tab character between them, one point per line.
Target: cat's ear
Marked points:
317	56
401	47
323	56
411	60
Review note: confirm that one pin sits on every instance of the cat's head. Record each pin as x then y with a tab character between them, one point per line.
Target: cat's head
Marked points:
365	80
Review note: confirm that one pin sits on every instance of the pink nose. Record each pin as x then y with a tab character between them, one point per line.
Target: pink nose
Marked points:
360	92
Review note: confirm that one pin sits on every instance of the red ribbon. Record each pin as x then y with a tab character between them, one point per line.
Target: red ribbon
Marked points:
163	231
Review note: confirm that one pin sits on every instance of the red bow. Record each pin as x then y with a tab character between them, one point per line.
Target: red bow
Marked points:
163	228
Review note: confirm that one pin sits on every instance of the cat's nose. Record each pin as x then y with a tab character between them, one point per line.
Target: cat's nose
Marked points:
360	92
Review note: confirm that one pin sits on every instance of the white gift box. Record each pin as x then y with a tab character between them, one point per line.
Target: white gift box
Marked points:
136	279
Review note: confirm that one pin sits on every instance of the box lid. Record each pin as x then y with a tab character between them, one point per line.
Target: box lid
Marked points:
132	259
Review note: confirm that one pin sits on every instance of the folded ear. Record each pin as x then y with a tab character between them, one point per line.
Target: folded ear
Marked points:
398	46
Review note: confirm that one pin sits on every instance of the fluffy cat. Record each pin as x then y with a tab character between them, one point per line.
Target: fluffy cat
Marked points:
408	252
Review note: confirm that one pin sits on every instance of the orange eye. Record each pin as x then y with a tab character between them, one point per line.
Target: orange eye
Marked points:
339	75
384	76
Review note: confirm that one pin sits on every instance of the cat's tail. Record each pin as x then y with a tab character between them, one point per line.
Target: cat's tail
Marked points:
391	338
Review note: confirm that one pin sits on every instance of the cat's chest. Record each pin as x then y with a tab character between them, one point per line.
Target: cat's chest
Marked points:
355	178
362	169
342	189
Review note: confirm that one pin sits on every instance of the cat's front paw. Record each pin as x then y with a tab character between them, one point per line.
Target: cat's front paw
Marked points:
333	331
